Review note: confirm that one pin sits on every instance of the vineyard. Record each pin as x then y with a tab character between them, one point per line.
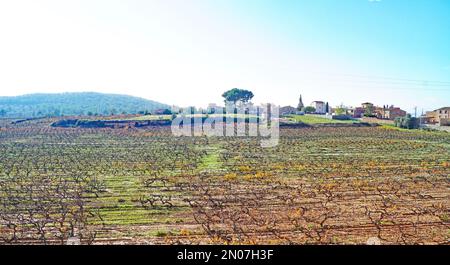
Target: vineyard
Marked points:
330	185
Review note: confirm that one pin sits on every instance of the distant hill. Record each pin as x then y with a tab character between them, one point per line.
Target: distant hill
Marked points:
85	103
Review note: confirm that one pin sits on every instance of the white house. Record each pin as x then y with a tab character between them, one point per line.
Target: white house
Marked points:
320	107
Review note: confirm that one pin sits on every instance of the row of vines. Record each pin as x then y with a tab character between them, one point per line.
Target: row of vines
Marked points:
145	186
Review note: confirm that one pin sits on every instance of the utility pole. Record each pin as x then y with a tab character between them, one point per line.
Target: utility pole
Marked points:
415	112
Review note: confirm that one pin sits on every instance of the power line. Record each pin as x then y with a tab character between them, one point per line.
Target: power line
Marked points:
402	80
379	85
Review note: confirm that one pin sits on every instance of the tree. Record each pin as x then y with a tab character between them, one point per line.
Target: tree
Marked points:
234	95
327	108
368	112
163	112
340	111
144	112
407	122
310	109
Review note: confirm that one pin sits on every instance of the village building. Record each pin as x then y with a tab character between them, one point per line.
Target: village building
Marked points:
367	105
392	112
358	112
386	112
440	116
288	110
212	108
443	113
320	107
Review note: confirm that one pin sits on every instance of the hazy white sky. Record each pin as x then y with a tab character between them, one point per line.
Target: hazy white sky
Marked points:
187	52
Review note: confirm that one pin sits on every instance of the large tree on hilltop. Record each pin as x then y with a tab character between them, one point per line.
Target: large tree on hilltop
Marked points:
234	95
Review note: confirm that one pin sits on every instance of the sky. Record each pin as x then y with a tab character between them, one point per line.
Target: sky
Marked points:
188	52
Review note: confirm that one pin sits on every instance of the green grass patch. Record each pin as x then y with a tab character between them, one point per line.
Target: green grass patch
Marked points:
211	161
313	119
393	127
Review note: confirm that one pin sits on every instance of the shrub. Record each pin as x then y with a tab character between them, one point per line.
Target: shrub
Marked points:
310	109
407	122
